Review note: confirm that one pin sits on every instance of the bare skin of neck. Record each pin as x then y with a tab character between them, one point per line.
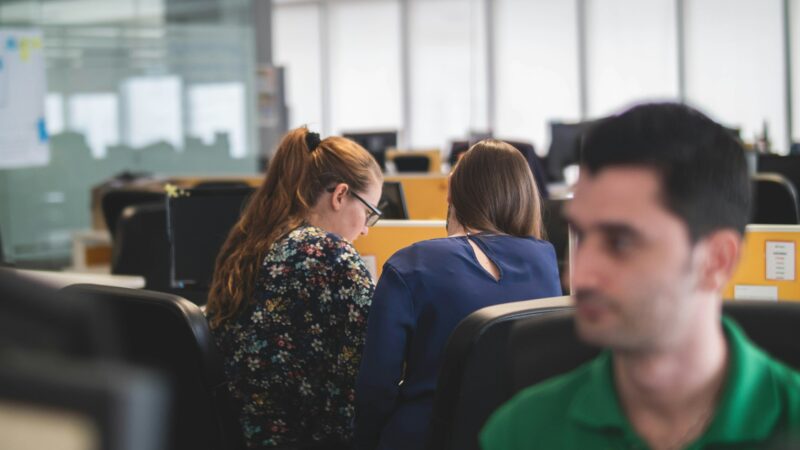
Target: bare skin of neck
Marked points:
670	394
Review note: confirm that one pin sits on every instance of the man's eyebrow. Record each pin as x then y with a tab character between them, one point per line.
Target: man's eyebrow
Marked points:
612	228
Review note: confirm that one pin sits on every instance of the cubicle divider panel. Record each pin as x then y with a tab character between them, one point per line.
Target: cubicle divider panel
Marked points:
426	195
768	266
389	236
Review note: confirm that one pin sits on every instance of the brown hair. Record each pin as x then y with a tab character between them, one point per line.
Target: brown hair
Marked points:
296	178
492	189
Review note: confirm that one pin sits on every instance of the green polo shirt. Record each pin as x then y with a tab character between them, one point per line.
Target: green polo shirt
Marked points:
760	403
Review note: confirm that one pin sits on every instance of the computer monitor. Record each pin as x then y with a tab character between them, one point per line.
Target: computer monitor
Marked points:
376	143
198	222
565	140
393	201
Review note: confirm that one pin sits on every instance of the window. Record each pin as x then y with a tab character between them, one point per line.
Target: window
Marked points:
153	111
365	83
443	51
734	64
631	53
96	116
296	34
536	67
217	110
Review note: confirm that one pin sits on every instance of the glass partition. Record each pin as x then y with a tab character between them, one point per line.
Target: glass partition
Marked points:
139	86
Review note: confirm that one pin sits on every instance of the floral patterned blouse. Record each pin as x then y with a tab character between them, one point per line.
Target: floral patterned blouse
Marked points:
292	356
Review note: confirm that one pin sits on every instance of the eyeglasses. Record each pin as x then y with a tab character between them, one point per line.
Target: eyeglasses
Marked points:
373	214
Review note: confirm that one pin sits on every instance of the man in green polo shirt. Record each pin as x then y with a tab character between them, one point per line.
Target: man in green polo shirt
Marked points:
659	211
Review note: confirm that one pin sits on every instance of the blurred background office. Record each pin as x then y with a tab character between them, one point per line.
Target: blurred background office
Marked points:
205	87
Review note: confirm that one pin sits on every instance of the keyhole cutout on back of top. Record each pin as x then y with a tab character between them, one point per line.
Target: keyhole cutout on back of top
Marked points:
488	265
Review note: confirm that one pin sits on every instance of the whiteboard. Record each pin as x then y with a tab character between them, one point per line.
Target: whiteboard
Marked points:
23	132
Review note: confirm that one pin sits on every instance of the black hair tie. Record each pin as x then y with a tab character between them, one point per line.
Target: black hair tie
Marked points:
312	141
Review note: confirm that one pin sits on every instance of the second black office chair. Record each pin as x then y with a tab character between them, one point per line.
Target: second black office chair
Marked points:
775	200
496	352
114	202
169	334
141	247
412	163
477	373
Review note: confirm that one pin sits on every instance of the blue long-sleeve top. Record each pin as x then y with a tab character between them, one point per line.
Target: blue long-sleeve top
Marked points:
425	290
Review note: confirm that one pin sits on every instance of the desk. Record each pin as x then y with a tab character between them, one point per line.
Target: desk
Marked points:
62	279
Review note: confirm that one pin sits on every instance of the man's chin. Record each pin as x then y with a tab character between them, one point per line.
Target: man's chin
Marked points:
593	333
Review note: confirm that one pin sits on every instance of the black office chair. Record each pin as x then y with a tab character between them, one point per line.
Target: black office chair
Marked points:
141	247
169	334
788	166
115	201
221	184
477	371
775	200
493	354
58	355
557	232
565	142
457	148
535	163
412	163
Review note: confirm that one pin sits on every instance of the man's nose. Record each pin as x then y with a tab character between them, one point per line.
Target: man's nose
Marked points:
586	266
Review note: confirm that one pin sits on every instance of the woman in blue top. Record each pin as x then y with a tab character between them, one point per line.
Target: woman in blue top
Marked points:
493	255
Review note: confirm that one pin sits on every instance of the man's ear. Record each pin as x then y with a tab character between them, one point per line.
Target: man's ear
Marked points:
337	197
722	257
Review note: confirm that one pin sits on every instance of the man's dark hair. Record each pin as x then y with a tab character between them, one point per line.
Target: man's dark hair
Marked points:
704	177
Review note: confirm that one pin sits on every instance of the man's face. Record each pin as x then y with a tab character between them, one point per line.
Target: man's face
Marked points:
633	272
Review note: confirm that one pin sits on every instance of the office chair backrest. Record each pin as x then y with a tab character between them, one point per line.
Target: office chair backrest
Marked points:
557	232
221	184
536	165
565	142
169	334
477	372
457	148
141	247
412	163
115	201
375	142
536	347
786	165
775	200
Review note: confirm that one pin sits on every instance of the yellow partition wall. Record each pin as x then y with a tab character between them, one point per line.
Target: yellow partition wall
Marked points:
426	195
389	236
751	274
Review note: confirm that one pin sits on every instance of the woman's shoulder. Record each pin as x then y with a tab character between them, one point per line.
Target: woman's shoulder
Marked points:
519	243
309	242
426	247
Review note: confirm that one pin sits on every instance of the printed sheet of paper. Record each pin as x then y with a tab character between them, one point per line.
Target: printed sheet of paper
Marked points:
780	261
23	133
750	292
